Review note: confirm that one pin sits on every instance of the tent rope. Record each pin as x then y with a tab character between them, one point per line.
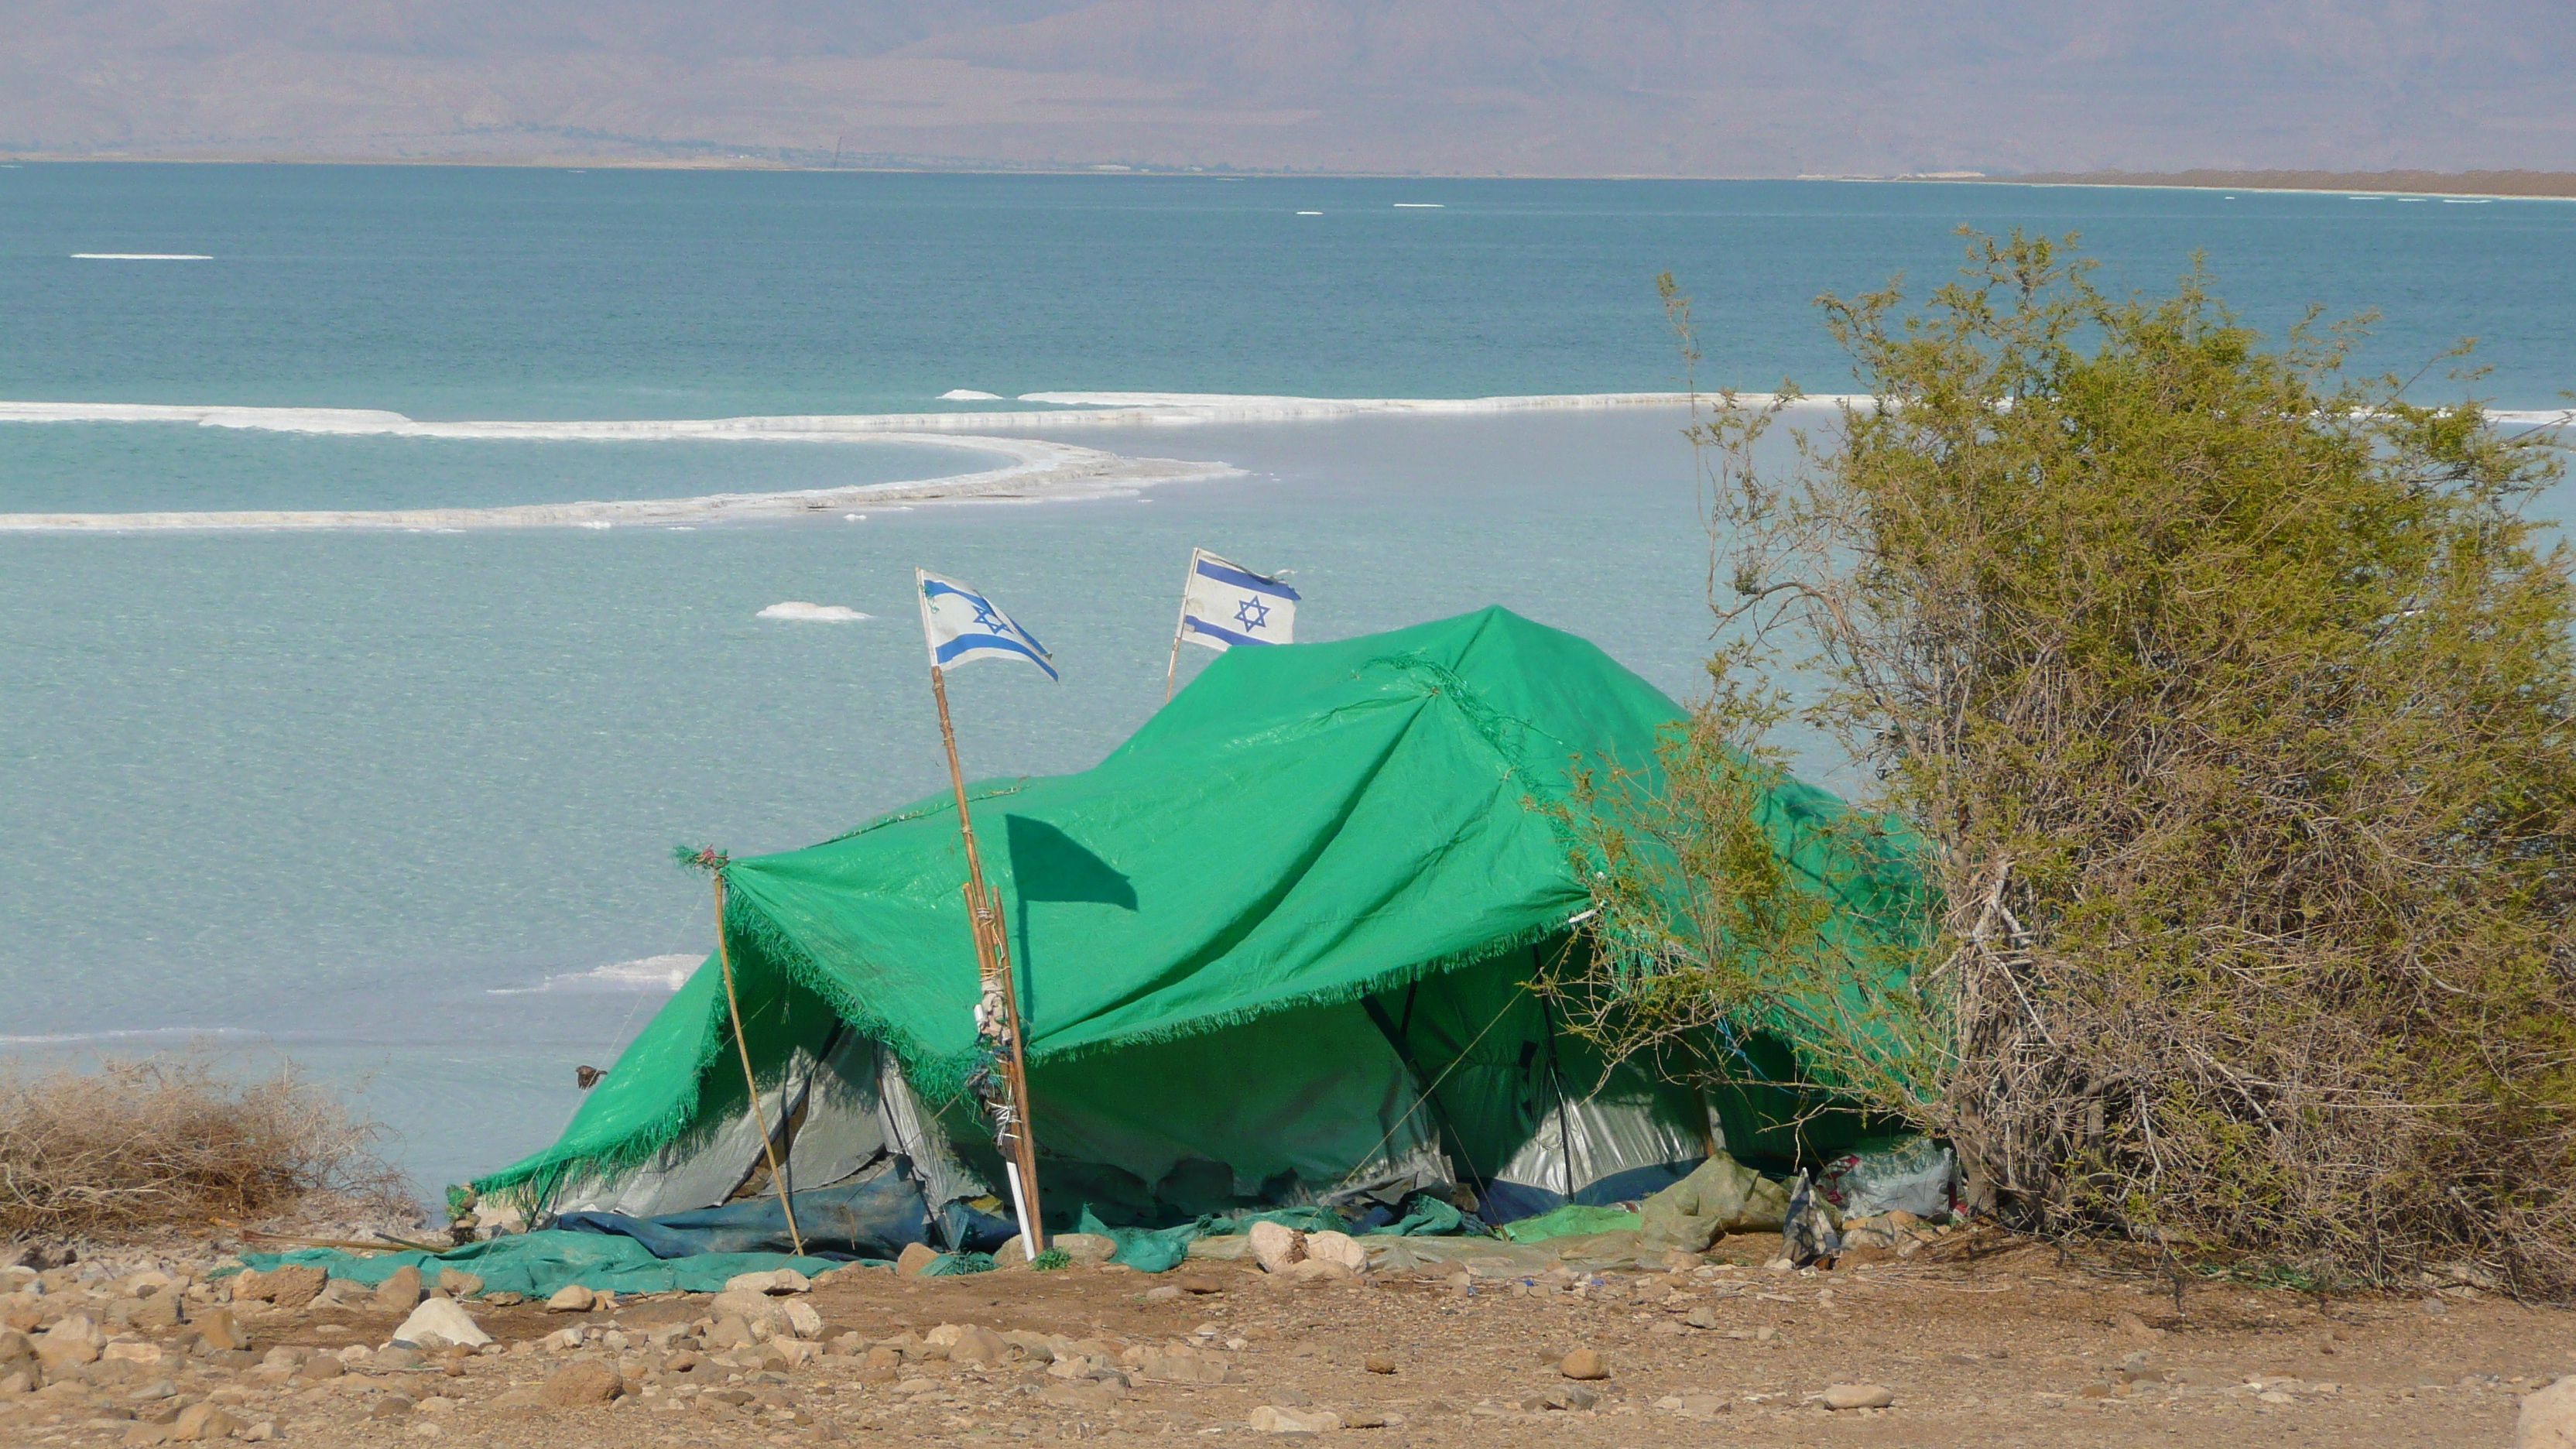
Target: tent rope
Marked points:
1424	1099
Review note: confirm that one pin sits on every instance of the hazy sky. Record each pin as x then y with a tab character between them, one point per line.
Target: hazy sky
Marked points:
1725	87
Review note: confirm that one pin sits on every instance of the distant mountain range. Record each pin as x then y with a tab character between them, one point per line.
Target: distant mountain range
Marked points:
1652	87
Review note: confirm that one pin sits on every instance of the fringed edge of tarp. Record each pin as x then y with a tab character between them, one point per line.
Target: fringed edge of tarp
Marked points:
532	1182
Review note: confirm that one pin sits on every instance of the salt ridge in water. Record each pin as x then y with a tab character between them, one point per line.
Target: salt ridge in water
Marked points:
799	611
649	973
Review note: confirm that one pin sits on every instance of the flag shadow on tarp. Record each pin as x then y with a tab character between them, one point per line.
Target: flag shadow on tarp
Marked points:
1049	865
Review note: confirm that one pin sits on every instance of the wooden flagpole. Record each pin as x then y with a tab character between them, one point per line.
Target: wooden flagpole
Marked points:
993	964
1172	671
733	1009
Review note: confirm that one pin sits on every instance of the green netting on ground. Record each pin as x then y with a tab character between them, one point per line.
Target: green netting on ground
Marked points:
1572	1220
1304	825
543	1264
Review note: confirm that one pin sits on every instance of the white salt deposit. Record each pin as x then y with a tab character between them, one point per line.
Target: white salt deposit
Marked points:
649	973
968	394
799	611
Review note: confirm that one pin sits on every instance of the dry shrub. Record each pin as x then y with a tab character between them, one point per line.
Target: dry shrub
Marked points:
2231	705
171	1142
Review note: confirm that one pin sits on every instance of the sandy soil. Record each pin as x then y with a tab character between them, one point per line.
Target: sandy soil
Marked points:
2012	1348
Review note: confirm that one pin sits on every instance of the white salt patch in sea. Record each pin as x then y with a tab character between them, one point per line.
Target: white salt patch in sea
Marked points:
968	394
801	612
649	973
1310	213
148	1033
140	257
1420	205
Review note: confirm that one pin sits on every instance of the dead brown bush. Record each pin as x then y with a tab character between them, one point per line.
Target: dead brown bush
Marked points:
171	1142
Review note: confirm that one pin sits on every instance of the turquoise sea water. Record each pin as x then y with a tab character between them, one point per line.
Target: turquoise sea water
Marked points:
390	803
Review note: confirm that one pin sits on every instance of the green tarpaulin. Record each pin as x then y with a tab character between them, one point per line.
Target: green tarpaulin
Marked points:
1305	826
541	1265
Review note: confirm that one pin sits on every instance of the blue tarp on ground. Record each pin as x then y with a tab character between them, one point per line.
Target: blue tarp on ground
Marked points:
873	1218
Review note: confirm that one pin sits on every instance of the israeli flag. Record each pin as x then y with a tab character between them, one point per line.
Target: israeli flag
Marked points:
960	625
1226	604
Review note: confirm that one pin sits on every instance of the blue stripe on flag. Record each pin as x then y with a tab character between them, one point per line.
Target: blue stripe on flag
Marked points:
964	642
1202	626
935	587
1242	580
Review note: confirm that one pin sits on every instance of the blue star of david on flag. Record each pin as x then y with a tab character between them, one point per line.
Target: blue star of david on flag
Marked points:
961	625
1225	604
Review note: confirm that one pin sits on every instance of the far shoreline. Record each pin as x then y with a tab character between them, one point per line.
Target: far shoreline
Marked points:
2497	185
2483	185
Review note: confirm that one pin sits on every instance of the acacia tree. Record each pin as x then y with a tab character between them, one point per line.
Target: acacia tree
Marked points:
2227	697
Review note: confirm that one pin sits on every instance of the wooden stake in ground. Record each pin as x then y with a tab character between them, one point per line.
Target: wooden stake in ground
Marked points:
959	624
733	1009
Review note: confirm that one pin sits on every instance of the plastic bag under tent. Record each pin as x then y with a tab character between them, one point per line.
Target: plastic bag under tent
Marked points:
1913	1174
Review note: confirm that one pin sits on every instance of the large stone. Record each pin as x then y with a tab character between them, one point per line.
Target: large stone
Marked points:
1339	1248
1583	1363
571	1298
1273	1419
199	1422
440	1322
749	1304
290	1285
801	1319
400	1292
2548	1418
457	1283
1081	1394
1858	1396
1183	1366
222	1333
159	1313
16	1350
977	1345
915	1257
76	1339
780	1280
1088	1249
1277	1246
577	1385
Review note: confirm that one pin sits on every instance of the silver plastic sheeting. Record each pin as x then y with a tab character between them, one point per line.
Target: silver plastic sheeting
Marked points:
844	1127
1606	1135
694	1172
917	1135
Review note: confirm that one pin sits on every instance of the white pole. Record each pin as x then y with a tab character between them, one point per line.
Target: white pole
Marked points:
1020	1205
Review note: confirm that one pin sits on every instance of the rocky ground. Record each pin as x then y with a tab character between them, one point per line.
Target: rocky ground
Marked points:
1975	1340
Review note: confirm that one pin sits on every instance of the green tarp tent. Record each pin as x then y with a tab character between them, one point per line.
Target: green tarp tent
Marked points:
1271	950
